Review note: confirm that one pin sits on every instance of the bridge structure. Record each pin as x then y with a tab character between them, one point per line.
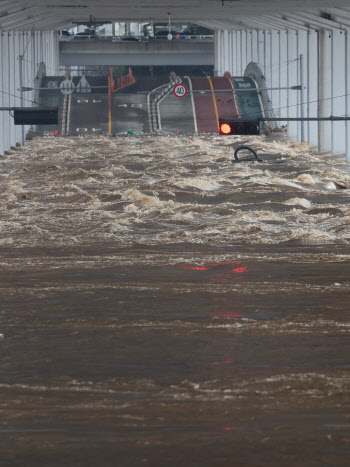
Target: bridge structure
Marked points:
148	105
143	53
294	43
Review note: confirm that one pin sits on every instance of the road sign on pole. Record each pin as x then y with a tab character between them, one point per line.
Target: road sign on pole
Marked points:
67	87
180	90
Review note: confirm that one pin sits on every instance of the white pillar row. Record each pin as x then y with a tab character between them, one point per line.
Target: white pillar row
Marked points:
326	76
37	47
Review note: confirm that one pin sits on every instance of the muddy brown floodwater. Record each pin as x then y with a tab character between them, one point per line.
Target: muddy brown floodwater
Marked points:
162	306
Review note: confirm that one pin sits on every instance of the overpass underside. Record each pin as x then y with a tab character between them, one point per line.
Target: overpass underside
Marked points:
151	53
292	47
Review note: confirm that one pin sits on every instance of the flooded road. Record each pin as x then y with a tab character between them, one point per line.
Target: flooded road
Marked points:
163	306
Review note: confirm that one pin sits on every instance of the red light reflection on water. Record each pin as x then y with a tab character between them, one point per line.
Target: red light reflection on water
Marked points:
195	269
240	270
226	314
222	363
228	275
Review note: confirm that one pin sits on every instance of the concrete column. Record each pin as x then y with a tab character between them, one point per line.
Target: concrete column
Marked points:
347	99
260	49
255	56
302	49
222	53
282	70
338	90
267	58
13	44
325	89
293	80
2	114
311	70
244	49
217	57
5	97
249	47
234	56
229	44
239	54
274	68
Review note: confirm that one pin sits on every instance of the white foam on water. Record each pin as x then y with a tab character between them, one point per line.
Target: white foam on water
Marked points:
306	178
305	203
200	183
154	190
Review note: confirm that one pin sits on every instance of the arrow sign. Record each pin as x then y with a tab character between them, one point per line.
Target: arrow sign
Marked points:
83	85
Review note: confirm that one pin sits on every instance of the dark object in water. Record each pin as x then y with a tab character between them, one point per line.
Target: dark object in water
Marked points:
250	159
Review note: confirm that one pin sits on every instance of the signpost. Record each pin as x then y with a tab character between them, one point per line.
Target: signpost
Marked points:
180	90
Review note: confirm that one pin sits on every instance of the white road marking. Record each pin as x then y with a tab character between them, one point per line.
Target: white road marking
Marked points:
193	106
68	114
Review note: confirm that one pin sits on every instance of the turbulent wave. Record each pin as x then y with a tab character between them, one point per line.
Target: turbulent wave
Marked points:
156	190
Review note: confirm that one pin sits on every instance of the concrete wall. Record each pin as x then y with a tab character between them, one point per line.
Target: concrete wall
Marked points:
39	46
326	76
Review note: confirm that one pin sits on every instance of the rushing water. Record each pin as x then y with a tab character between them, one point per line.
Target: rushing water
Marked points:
163	306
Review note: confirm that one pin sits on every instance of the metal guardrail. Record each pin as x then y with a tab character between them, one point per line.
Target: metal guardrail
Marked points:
121	39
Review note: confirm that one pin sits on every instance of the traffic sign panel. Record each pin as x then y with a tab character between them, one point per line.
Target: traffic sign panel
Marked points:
180	90
67	87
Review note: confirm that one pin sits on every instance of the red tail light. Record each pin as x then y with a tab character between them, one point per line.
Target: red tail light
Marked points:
225	128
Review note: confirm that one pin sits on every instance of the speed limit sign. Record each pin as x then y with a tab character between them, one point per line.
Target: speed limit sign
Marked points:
180	90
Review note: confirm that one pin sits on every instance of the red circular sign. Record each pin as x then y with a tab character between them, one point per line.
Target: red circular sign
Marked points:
180	90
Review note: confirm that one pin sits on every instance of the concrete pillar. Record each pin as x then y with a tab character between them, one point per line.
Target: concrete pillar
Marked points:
13	44
273	69
325	89
338	90
347	99
217	56
293	80
2	148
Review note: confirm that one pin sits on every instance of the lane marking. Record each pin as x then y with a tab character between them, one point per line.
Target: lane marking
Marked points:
150	107
68	113
64	114
82	101
214	100
109	106
229	77
166	94
193	106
